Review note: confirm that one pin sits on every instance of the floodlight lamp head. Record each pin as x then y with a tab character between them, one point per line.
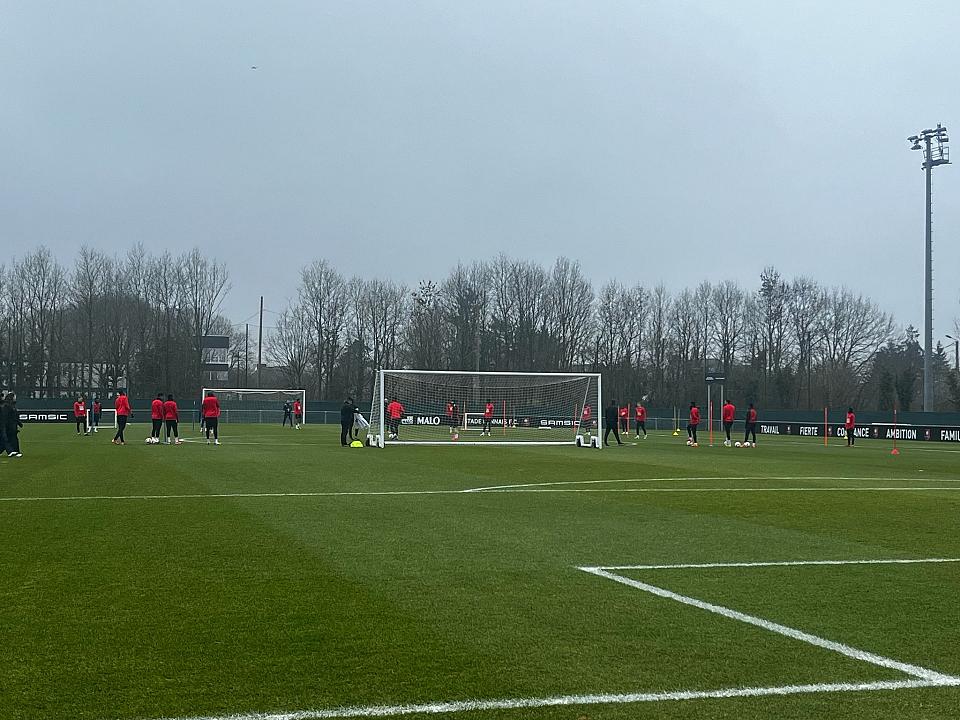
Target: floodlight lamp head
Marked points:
913	138
917	146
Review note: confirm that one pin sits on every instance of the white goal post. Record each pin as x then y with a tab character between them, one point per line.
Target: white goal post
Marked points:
108	417
256	405
447	407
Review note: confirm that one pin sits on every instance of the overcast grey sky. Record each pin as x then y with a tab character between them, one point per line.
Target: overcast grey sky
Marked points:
653	141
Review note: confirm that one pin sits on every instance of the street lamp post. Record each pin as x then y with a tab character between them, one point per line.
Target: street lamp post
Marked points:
933	155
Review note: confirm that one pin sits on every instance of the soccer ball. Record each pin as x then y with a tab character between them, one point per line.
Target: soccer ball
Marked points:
689	441
746	444
148	440
737	444
456	436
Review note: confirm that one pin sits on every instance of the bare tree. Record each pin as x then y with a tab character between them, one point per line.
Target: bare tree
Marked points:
657	342
528	285
324	298
289	346
466	297
426	330
88	284
205	284
685	332
40	280
851	330
728	322
569	313
805	305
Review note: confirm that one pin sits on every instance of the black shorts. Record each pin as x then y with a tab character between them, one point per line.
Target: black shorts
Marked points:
210	422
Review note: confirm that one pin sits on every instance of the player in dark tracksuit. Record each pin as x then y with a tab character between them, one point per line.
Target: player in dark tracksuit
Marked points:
346	420
10	425
610	419
287	414
750	425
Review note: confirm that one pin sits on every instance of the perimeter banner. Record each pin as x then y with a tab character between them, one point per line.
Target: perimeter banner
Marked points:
874	431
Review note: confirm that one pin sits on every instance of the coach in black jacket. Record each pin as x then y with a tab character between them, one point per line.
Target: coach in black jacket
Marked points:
611	421
346	420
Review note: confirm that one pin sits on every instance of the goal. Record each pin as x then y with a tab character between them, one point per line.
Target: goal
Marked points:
451	407
246	405
108	418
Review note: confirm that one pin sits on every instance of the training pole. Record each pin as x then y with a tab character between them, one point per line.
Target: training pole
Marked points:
826	428
894	451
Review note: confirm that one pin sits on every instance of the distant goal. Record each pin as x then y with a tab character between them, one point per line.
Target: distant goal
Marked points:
484	408
252	405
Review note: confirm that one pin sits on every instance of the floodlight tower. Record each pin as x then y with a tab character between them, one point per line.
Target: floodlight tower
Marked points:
933	143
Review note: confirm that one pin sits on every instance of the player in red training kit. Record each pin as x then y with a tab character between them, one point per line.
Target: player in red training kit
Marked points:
80	415
395	412
751	426
451	409
210	409
297	413
171	417
692	425
122	405
586	419
156	419
727	413
624	414
487	418
850	424
641	421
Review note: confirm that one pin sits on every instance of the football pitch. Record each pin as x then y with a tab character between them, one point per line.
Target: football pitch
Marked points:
282	576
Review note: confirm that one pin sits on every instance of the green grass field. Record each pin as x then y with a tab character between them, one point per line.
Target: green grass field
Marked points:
280	573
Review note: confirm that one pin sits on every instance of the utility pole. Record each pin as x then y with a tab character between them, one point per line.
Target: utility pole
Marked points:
260	346
932	156
246	354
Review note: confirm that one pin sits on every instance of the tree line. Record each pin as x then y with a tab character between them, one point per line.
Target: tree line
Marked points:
788	343
134	321
140	318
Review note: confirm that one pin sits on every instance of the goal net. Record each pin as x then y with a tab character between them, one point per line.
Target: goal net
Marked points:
480	408
245	405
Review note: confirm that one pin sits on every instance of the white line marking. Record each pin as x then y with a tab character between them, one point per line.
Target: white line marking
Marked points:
851	652
378	493
194	496
698	479
852	488
786	563
456	706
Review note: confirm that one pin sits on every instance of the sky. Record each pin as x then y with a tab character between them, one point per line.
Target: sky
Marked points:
655	142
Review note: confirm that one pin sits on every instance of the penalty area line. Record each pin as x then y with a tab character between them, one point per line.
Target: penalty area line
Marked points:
914	671
458	706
